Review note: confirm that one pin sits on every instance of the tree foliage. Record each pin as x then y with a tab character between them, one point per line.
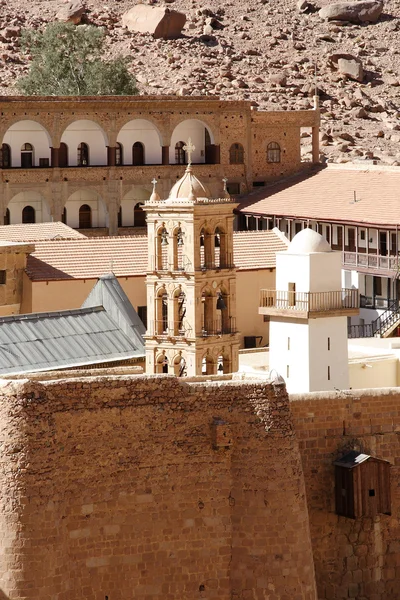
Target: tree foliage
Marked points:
67	61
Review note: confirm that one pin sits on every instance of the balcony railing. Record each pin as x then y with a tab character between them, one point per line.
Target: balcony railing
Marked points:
310	301
183	265
162	328
224	262
216	328
371	261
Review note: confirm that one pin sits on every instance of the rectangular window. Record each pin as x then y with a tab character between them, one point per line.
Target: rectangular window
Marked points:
3	277
329	373
44	162
362	235
329	343
378	286
288	343
142	313
287	370
291	294
328	234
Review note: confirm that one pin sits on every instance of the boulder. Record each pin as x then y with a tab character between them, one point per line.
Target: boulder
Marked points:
355	12
71	12
348	65
160	22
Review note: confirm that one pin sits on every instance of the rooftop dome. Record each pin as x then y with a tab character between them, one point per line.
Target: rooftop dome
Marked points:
188	187
308	241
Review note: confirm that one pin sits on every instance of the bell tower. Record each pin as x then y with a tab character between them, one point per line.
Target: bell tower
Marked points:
191	280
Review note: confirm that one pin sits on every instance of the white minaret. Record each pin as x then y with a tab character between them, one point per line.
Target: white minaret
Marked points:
308	312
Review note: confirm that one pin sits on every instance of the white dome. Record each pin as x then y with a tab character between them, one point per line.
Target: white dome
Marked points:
188	187
308	241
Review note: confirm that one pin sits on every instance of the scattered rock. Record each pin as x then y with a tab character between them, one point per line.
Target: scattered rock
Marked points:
348	65
354	12
278	79
159	22
71	12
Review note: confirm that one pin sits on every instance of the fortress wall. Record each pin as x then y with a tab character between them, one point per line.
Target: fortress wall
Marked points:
359	558
148	488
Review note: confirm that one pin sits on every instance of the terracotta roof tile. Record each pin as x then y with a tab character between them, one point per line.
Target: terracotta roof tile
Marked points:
35	232
328	194
89	258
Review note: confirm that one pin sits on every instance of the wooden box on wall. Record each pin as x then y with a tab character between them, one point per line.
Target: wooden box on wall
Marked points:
362	486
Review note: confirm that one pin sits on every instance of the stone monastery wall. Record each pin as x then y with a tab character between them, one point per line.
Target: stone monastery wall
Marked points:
358	558
115	488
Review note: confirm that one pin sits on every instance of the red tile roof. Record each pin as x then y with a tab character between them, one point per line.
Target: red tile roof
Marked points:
89	258
35	232
328	194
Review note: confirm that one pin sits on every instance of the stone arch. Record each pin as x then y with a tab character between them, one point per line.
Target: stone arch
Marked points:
161	363
85	131
180	260
208	365
145	132
162	240
90	198
28	131
136	195
33	199
201	134
224	361
161	324
179	364
206	248
180	323
207	312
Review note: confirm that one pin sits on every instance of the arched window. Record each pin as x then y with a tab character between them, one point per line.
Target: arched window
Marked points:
119	157
7	217
28	215
137	154
180	154
236	154
273	152
85	217
63	155
27	157
139	216
64	216
120	217
5	156
83	155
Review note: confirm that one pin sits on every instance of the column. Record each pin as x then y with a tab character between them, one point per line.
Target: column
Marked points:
165	155
111	156
315	144
55	157
112	218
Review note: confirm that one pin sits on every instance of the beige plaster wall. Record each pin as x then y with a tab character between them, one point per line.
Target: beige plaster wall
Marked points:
374	373
248	286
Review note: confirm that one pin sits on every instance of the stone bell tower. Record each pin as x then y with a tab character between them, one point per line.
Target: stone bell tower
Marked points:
191	281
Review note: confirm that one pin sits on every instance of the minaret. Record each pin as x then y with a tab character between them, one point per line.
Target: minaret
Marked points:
191	280
308	316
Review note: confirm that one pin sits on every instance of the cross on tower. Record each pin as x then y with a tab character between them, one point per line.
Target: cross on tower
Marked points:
154	182
189	148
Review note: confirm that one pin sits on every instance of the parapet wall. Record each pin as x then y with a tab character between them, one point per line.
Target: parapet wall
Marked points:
115	488
359	558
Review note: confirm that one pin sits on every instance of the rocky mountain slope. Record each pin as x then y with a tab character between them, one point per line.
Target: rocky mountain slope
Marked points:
266	51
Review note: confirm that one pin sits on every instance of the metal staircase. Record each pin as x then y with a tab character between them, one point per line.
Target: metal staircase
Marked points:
382	327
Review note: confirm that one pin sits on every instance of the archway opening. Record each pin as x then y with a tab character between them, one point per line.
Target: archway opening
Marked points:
89	136
5	156
63	155
82	159
85	217
162	312
207	365
202	137
27	159
31	133
75	213
146	133
28	215
206	249
162	243
138	154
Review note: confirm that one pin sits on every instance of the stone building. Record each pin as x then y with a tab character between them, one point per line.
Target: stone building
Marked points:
191	280
89	161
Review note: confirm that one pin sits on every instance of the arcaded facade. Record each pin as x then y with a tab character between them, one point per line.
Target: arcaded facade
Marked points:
89	161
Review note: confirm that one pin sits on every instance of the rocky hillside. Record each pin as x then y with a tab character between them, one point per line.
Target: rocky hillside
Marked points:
268	51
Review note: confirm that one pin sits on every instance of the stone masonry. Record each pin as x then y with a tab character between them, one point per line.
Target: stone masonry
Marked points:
141	487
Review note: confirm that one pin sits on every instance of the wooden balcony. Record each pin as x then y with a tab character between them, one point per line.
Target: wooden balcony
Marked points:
376	263
309	305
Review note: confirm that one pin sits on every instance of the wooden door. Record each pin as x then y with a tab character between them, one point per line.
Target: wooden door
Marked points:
352	239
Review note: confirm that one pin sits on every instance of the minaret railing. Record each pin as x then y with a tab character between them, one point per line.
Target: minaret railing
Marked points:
310	301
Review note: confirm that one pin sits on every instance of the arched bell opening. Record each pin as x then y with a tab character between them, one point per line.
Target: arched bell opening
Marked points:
179	366
162	364
220	248
223	320
178	249
162	243
161	312
207	315
206	249
180	322
224	365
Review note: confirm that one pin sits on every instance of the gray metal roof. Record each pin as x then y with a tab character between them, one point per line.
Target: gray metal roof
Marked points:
70	338
353	459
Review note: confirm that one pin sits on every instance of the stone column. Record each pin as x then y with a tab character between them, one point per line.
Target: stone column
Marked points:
165	155
315	144
111	156
55	157
112	218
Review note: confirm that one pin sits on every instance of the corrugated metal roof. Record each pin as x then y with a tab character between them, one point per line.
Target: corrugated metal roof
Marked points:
72	338
351	459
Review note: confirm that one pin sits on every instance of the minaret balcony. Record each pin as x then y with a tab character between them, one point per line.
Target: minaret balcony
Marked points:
309	305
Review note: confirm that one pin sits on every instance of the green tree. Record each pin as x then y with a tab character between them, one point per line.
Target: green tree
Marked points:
67	61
